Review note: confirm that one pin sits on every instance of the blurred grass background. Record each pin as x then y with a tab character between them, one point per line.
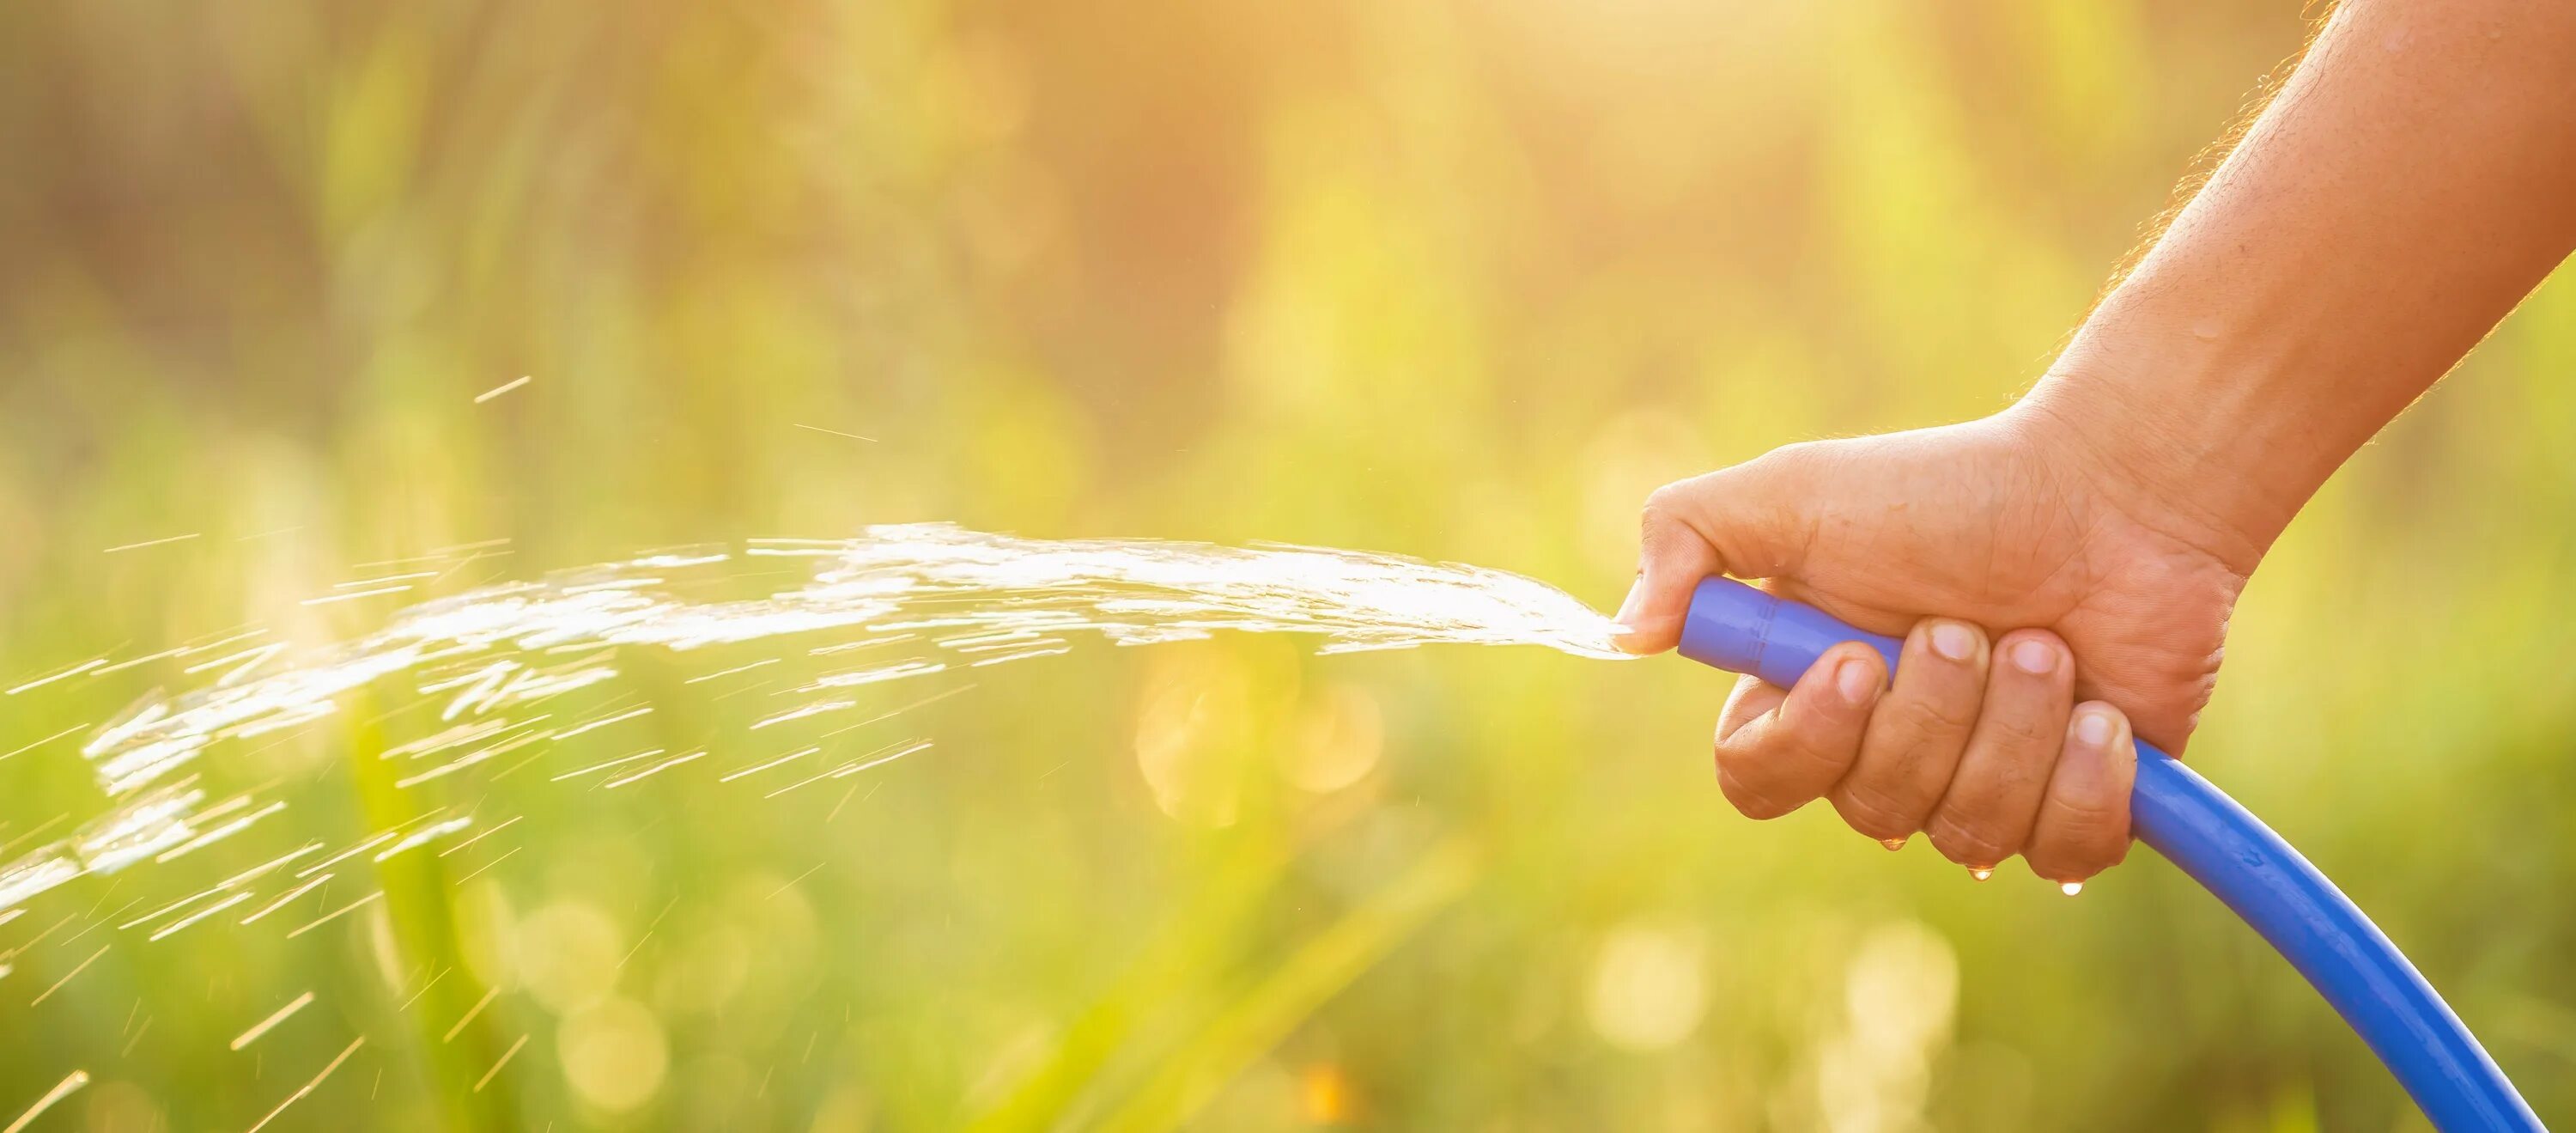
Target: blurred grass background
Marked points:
1457	280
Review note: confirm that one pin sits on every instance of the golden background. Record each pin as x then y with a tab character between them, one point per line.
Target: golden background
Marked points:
1459	280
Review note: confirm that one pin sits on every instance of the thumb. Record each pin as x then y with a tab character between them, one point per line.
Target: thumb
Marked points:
1671	559
1741	520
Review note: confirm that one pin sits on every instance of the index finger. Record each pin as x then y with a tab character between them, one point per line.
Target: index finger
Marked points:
1783	757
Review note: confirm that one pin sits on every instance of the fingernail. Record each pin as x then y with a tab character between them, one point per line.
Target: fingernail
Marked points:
1892	844
2037	658
2094	729
2071	888
2085	770
1953	641
1980	874
1857	680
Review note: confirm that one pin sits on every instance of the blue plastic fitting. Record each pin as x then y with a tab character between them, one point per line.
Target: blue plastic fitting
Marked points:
2223	847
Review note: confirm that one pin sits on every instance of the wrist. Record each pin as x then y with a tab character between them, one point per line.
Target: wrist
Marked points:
2185	435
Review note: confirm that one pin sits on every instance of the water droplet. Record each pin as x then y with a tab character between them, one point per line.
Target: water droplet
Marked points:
1892	844
1980	874
2071	888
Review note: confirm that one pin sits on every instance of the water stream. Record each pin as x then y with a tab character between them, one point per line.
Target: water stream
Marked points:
897	604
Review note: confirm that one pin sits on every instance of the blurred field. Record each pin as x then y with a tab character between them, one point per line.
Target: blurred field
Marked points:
1455	280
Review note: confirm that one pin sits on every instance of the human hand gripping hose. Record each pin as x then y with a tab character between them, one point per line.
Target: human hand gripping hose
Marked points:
1737	628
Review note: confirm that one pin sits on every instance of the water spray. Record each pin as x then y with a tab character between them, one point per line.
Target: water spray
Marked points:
2222	846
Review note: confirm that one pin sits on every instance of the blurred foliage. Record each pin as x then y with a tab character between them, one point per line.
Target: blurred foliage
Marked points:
1458	280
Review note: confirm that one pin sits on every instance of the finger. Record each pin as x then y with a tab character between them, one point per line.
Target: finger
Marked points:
2083	824
1759	515
1671	560
1917	733
1752	699
1985	816
1749	520
1776	761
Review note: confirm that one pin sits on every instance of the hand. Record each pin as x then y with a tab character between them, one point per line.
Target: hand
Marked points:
2027	573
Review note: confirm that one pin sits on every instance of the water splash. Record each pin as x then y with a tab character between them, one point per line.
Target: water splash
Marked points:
960	598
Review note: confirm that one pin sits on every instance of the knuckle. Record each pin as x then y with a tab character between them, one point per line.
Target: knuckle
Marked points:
2088	813
1822	751
1790	457
1918	747
1666	507
1818	768
1967	843
1868	810
2023	779
1747	801
2085	821
2069	849
2020	738
1936	718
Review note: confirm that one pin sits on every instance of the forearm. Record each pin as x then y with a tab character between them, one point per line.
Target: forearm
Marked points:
2413	180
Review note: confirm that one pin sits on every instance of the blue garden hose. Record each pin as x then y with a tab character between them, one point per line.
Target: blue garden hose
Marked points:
2226	849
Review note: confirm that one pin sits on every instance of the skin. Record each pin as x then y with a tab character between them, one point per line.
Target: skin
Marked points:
2063	571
